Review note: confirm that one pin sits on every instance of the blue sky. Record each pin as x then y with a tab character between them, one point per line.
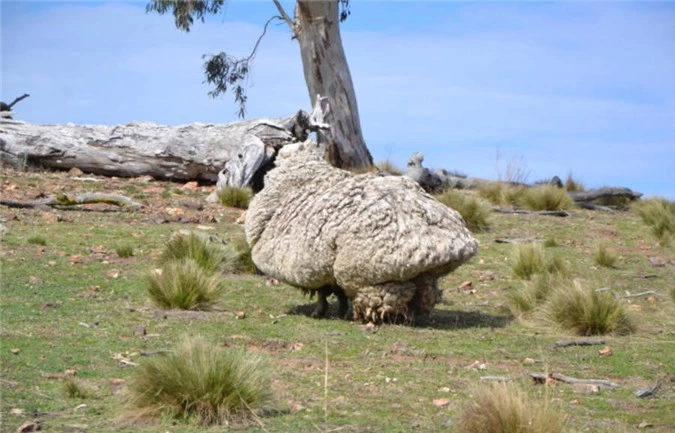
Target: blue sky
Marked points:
580	87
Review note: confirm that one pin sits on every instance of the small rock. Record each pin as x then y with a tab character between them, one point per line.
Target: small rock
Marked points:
29	426
580	388
34	280
606	351
466	287
240	315
441	402
444	389
192	186
16	411
645	424
74	172
528	361
16	351
272	282
139	330
657	261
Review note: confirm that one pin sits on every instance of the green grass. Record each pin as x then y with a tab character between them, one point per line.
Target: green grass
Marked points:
235	197
604	257
185	285
588	312
124	251
200	381
76	389
505	408
527	260
546	197
37	240
659	215
550	242
475	214
207	255
237	257
534	292
329	375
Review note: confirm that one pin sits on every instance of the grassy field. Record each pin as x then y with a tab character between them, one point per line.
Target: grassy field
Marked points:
75	310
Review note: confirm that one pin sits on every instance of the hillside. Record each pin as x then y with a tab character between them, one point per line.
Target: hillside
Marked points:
74	310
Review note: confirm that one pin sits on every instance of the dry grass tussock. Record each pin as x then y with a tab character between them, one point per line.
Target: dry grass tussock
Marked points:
603	256
531	259
505	408
184	284
235	197
207	255
389	167
587	311
535	292
546	197
659	215
202	382
475	214
501	194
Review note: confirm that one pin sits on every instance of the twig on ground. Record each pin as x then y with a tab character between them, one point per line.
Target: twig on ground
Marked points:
64	199
559	213
648	392
498	378
601	383
583	342
638	295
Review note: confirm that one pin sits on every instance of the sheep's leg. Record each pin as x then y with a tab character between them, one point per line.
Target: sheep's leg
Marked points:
321	302
342	300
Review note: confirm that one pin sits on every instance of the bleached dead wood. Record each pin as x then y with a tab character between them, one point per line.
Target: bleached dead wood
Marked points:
64	199
601	383
197	151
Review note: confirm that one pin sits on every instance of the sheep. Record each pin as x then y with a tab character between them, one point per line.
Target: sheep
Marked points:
382	239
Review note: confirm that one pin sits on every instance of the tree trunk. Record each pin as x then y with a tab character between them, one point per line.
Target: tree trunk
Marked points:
317	27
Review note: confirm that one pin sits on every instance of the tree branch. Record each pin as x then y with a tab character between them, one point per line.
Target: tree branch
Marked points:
63	199
285	16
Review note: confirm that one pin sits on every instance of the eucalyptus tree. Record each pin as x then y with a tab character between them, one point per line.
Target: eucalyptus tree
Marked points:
316	27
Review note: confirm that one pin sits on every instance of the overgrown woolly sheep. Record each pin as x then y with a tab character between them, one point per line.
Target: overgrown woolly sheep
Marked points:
382	239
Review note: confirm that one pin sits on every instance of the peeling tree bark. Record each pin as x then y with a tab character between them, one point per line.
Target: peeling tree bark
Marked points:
317	28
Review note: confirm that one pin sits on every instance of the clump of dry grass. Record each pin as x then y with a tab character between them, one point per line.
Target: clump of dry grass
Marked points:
505	408
76	389
192	246
587	311
237	257
184	284
546	197
199	381
475	214
659	214
235	197
573	185
389	167
501	194
124	251
535	292
603	256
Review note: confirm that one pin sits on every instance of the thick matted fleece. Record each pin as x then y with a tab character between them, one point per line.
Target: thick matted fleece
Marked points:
381	238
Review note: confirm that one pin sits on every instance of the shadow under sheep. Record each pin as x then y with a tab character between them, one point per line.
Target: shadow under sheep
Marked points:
438	319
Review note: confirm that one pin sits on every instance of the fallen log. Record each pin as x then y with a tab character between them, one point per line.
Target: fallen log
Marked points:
603	193
601	383
196	151
63	199
438	180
